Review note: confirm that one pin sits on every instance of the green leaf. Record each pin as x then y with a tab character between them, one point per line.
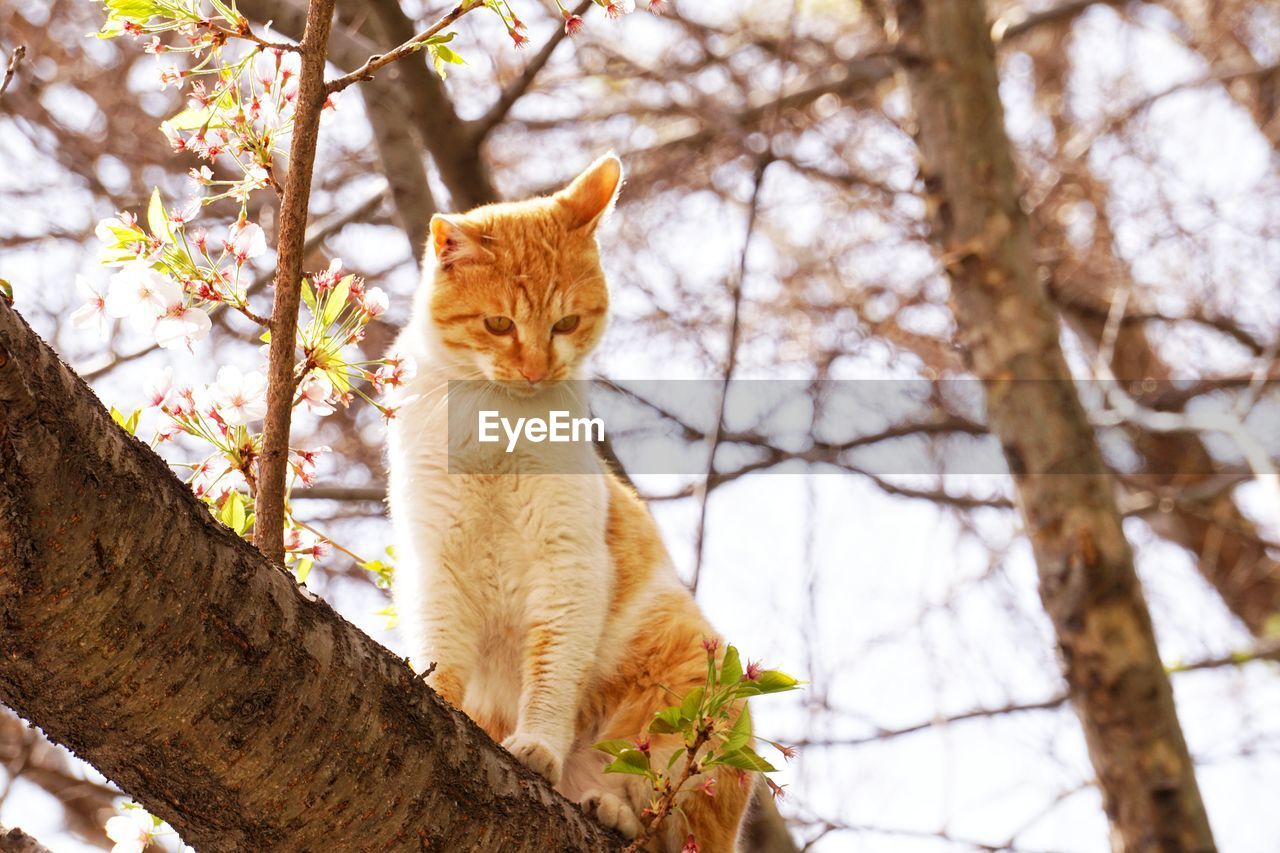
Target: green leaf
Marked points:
616	746
132	10
692	702
740	733
382	572
631	761
337	300
129	422
442	56
157	219
731	668
303	569
308	298
771	682
667	721
6	291
745	758
234	513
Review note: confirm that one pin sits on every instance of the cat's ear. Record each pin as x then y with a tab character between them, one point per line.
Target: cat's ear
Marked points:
453	241
591	195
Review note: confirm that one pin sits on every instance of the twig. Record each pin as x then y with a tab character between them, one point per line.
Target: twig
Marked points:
268	532
413	45
496	113
15	59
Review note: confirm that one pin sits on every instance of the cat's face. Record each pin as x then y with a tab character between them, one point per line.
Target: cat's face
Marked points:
519	294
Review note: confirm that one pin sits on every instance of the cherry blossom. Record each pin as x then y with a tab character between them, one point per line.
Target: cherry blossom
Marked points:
157	389
240	397
315	393
573	24
92	314
246	241
617	8
131	831
141	294
181	325
373	301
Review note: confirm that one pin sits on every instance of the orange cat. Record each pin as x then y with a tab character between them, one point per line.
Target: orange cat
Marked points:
547	603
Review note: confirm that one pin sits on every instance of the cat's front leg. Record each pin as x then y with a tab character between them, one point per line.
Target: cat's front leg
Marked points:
566	612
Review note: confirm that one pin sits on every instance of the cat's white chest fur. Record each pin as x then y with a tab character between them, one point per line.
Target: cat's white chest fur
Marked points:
501	575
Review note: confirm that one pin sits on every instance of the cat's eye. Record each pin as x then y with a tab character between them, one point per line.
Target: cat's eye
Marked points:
565	325
499	325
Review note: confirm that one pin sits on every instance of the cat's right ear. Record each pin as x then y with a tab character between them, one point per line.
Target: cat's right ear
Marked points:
452	241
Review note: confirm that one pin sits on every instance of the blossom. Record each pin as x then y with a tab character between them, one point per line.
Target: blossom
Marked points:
397	370
617	8
158	386
241	397
304	463
572	24
322	281
141	294
373	301
775	788
710	644
246	241
754	668
107	228
315	393
659	7
130	831
690	845
518	38
707	786
93	312
644	744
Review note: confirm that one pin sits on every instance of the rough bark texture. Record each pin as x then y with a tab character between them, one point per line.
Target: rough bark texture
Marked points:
1116	681
176	659
17	841
273	463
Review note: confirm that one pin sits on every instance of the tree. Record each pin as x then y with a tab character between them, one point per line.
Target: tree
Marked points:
1066	495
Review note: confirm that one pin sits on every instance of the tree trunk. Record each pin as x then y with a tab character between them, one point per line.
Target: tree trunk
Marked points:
1066	497
176	659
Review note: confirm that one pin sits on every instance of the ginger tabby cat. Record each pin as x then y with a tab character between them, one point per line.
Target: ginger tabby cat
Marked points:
547	602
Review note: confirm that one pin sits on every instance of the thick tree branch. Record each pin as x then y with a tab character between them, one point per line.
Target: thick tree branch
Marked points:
200	678
273	464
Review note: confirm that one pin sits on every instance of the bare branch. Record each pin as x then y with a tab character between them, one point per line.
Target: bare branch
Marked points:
15	59
413	45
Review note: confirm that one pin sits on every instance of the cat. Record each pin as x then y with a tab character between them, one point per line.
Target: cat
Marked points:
547	603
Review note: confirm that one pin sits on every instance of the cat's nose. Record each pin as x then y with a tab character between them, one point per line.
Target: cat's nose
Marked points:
534	374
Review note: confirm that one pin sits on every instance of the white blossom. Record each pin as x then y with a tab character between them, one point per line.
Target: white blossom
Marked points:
240	397
92	314
246	241
141	294
130	831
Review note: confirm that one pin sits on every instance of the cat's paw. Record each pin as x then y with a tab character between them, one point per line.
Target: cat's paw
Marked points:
612	812
536	754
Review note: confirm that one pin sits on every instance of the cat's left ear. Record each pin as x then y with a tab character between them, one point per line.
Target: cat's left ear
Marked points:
591	195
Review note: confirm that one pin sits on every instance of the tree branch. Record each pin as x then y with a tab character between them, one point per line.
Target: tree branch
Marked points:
15	59
17	841
413	45
268	528
224	698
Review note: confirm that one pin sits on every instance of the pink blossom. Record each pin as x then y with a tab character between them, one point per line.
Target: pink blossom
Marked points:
397	371
322	281
659	7
304	464
710	644
754	668
373	301
690	846
573	24
246	241
707	786
315	393
158	386
617	8
92	314
775	788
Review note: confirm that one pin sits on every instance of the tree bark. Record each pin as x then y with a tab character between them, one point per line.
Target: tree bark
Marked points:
17	841
175	658
1009	333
